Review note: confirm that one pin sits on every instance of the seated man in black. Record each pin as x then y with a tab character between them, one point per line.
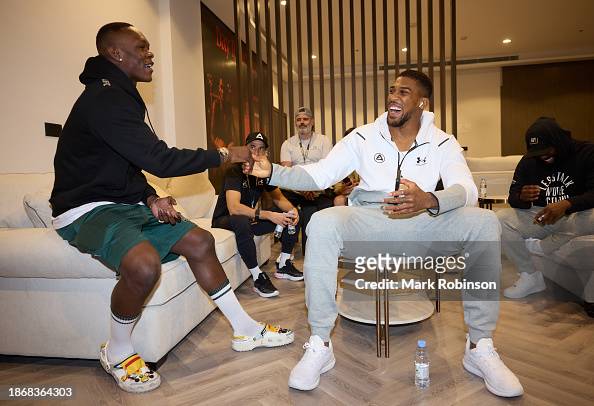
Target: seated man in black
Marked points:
236	211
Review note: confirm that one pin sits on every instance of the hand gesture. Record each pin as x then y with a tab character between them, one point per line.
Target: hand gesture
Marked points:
348	188
164	211
529	193
260	166
552	212
240	154
409	199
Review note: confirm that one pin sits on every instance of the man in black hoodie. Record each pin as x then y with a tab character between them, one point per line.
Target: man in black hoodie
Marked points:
552	199
103	205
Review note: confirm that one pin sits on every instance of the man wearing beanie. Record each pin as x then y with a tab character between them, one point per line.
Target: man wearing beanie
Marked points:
552	200
237	210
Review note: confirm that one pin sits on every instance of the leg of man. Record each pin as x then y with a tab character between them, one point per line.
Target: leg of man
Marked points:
455	231
244	236
569	227
199	249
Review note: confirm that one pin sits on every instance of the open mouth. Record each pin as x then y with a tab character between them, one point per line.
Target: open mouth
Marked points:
149	66
394	110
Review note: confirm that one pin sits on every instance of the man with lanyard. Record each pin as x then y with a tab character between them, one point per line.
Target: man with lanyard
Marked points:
236	211
304	148
402	146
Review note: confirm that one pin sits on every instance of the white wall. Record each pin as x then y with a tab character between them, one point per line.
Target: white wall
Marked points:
44	46
479	106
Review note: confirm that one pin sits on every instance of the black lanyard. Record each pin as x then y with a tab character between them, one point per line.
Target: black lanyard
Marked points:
306	153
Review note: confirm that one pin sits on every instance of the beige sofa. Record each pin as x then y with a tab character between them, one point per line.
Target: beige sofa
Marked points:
572	265
54	300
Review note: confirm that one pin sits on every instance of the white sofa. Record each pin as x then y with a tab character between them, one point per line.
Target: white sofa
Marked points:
54	300
572	265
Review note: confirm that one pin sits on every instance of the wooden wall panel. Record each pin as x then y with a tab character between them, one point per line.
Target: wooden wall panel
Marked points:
563	90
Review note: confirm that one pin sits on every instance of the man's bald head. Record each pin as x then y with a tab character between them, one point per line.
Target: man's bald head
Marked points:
106	36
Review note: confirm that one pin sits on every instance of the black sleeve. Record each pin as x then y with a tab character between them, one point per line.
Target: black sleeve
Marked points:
116	122
270	188
585	201
233	179
515	188
148	191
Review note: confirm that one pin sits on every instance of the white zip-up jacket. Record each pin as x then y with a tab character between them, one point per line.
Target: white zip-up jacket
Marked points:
370	151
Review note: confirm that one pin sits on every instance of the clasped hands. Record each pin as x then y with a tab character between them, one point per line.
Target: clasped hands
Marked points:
409	199
162	208
548	215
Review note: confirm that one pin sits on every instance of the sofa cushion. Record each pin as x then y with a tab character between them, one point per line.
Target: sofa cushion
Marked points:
225	244
14	187
38	208
194	192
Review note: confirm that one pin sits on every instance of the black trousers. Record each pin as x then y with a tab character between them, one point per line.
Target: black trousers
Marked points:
307	209
245	231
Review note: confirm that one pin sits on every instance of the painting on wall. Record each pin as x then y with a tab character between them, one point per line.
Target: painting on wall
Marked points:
222	95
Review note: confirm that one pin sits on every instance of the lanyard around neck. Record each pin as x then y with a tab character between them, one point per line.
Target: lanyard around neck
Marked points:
305	153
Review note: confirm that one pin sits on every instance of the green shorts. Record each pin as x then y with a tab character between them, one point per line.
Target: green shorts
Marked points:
109	232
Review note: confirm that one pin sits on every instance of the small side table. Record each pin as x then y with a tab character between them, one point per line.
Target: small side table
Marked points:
487	202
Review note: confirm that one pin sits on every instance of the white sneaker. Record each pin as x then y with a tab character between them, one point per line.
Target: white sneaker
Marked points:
526	285
533	246
317	359
270	336
484	361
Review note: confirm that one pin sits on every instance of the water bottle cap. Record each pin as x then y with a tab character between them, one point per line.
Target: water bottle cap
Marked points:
421	343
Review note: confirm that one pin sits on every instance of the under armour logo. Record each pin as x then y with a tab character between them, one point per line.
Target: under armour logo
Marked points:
379	158
421	161
105	82
244	184
260	182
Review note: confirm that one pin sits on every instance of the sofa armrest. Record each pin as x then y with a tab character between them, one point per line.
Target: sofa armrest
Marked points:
212	206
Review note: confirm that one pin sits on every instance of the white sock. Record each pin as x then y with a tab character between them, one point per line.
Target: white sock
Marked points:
255	272
242	323
120	342
283	259
533	246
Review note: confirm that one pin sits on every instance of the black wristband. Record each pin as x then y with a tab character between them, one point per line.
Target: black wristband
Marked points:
257	215
267	180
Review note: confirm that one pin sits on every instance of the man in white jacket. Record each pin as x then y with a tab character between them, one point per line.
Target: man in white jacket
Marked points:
402	147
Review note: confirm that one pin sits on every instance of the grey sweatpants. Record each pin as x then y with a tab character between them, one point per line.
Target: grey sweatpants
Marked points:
469	230
518	225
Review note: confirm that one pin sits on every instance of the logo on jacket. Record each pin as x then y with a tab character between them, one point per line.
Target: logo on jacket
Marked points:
245	184
105	82
420	161
379	158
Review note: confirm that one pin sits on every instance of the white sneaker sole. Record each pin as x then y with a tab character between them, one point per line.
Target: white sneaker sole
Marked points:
469	366
326	368
262	294
529	292
279	275
269	342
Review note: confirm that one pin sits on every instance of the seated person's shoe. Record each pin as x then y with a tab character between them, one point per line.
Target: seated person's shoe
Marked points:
264	287
484	361
526	285
317	359
132	374
288	272
270	336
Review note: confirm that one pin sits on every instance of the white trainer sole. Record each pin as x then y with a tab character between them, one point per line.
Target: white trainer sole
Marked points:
262	294
279	275
325	369
469	366
269	342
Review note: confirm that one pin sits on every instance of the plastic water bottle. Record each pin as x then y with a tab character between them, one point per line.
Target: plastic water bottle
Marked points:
291	229
422	366
483	188
278	231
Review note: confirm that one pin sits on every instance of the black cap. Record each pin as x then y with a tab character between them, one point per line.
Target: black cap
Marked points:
256	135
540	136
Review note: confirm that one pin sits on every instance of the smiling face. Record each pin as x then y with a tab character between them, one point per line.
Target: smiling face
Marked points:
404	98
131	53
549	156
304	124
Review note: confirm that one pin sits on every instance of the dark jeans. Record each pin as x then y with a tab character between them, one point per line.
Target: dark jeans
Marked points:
307	209
245	231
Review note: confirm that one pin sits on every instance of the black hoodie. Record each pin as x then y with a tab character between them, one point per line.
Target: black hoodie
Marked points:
570	177
106	143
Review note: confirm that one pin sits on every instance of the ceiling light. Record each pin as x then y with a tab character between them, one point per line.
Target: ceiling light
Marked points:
404	49
506	41
283	3
313	57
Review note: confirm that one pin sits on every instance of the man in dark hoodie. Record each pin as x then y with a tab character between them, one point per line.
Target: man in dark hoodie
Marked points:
552	200
103	205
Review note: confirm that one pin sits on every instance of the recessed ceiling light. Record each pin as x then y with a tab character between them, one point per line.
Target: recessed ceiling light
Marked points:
506	41
313	57
283	3
404	49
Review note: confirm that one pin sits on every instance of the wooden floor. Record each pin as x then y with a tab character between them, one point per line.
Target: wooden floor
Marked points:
547	340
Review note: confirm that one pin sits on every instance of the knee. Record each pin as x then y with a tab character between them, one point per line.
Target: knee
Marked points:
200	244
326	221
142	271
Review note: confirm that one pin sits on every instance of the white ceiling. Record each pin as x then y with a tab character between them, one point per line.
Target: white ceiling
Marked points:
539	29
